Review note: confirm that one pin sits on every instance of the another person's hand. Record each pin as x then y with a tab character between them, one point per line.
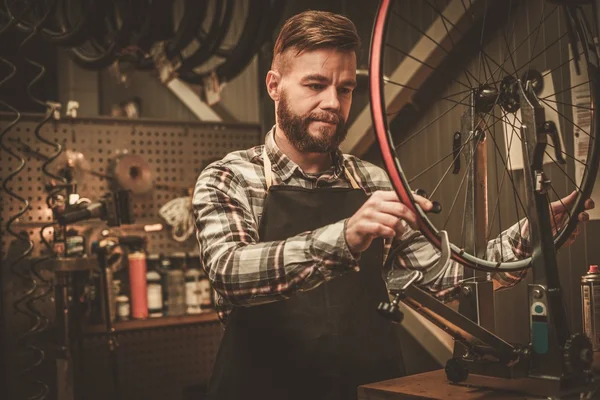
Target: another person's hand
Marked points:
559	214
380	216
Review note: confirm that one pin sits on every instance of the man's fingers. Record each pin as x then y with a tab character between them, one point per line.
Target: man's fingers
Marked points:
386	195
564	203
374	228
395	211
423	202
583	216
385	219
589	204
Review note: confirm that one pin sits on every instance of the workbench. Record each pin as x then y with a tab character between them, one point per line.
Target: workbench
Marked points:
431	385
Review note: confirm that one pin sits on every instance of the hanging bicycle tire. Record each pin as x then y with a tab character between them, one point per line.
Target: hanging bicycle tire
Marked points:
79	14
240	54
109	34
423	80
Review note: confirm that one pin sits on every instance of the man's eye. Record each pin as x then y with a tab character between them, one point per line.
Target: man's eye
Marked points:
315	86
345	90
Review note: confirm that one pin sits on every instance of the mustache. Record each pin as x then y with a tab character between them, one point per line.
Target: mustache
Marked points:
325	117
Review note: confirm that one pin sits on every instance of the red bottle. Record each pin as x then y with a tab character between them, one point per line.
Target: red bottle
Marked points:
138	285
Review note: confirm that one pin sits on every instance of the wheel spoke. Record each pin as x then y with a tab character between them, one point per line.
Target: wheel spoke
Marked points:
407	54
448	170
508	168
541	52
429	124
568	155
564	90
466	72
400	84
462	181
569	104
560	65
562	115
555	162
509	56
411	180
561	202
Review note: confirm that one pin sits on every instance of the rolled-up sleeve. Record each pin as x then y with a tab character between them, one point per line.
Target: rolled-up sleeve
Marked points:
245	271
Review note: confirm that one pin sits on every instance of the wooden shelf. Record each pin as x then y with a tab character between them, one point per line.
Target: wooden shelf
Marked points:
150	323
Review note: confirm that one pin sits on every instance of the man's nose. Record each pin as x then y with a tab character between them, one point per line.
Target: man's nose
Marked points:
331	100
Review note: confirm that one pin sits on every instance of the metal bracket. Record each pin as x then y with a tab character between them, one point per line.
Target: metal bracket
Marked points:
541	182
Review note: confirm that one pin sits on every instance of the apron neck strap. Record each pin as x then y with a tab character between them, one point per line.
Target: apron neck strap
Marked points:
267	166
351	178
269	172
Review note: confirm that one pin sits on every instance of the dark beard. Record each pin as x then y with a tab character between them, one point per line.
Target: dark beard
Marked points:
295	129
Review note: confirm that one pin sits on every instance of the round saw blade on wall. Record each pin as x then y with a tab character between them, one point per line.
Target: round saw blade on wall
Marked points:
132	172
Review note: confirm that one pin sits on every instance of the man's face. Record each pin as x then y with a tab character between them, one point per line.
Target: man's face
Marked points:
315	98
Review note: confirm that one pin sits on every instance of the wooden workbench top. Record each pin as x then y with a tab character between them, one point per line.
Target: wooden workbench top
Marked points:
430	385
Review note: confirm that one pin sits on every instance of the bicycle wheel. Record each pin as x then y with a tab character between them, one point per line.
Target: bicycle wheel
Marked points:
468	59
110	34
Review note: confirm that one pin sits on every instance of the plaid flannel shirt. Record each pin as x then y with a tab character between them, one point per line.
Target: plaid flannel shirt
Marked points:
228	202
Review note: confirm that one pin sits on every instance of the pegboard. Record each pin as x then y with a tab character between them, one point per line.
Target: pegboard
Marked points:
176	153
160	363
156	363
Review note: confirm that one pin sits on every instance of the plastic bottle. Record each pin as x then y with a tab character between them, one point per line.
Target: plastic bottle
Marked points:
155	301
176	285
138	285
192	291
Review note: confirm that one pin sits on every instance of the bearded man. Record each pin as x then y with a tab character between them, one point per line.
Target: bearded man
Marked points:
292	233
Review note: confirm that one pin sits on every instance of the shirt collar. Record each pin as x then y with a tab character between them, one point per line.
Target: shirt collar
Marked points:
284	167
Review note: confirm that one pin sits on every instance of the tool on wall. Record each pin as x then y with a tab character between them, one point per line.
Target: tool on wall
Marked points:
132	172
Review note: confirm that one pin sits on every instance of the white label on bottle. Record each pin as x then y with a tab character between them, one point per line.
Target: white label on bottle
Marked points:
587	313
123	310
154	296
191	294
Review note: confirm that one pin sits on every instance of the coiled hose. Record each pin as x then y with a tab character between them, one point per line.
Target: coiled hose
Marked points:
46	286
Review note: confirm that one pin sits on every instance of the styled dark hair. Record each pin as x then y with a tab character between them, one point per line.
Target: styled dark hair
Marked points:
311	30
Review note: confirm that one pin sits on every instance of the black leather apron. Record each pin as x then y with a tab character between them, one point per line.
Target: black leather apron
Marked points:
319	344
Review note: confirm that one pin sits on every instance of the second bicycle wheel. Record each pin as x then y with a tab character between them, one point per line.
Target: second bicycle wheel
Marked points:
444	88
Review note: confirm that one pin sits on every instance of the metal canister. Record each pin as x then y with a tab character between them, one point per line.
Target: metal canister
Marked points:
590	311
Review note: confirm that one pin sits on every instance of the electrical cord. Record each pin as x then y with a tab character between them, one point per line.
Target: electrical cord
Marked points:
36	388
26	243
15	264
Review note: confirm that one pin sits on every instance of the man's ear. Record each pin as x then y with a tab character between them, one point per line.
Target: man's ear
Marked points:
273	83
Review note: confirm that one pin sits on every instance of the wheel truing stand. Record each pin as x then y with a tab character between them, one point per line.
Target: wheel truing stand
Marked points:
554	362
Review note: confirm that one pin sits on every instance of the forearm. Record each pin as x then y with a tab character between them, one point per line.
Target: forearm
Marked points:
511	245
248	274
419	254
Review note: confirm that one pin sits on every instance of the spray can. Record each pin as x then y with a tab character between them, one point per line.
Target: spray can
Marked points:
590	311
138	285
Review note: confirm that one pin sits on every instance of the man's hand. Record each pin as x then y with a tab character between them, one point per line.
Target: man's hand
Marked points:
559	214
380	216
